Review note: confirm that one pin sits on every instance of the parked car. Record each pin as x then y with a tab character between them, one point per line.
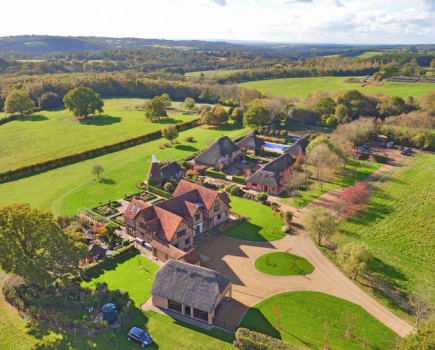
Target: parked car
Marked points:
139	335
401	148
407	151
390	145
363	148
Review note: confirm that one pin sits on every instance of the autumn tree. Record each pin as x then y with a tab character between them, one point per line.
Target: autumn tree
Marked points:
19	101
215	115
237	116
287	217
354	258
324	160
342	114
320	223
353	196
257	115
83	101
155	109
97	169
33	246
170	132
189	103
347	150
421	301
423	339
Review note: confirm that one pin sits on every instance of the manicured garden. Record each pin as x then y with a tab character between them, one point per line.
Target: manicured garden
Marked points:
306	318
399	226
65	189
356	170
132	273
55	133
283	264
264	224
302	87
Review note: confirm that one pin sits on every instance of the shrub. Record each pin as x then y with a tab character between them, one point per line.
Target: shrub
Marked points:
168	187
283	132
239	179
287	217
250	340
229	225
262	197
216	174
189	139
200	169
159	192
286	229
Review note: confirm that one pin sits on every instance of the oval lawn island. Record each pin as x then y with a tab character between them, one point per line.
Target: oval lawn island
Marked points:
283	264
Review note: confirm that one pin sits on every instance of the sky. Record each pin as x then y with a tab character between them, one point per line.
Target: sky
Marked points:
283	21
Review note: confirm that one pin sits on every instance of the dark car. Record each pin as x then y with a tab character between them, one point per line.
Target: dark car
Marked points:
407	151
139	335
401	148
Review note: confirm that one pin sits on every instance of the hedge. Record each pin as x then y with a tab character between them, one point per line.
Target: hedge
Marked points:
91	268
159	192
239	179
378	157
216	174
250	340
72	158
114	218
263	152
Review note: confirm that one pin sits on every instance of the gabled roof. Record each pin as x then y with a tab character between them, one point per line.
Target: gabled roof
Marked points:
198	194
188	284
279	164
171	170
159	220
251	140
221	147
191	257
168	249
265	178
180	206
298	147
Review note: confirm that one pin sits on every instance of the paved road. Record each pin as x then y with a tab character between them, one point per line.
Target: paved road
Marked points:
235	258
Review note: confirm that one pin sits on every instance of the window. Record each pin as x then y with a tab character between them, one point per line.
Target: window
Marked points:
197	217
181	233
219	216
187	241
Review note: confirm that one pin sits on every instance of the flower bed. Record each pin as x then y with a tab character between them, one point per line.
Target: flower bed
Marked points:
105	209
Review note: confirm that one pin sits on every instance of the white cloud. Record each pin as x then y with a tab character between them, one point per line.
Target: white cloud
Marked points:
341	21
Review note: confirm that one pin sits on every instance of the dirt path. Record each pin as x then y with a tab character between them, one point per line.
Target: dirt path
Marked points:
235	259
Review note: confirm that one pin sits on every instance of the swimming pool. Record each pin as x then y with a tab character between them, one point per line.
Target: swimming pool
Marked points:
275	146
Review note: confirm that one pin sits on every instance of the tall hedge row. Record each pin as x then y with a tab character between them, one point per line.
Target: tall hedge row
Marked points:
159	192
72	158
239	179
216	174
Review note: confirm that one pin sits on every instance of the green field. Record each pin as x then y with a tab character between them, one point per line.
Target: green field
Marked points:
283	264
133	273
356	170
214	73
15	334
65	189
301	87
307	316
399	226
264	224
369	54
55	133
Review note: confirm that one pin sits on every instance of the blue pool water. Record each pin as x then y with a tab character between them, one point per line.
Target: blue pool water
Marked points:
275	146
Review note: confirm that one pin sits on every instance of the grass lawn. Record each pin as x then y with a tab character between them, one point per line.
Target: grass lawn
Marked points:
283	264
306	317
356	170
301	87
15	334
65	189
264	224
54	133
133	273
399	226
369	54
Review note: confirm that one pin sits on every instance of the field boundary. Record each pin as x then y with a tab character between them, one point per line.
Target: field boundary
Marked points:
90	153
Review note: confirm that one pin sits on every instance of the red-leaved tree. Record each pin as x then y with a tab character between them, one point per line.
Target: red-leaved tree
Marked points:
353	197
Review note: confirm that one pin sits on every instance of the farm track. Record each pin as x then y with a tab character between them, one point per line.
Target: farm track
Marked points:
235	259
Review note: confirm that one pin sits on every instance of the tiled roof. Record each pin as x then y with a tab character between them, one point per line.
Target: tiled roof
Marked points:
221	147
191	257
155	172
198	194
167	249
180	206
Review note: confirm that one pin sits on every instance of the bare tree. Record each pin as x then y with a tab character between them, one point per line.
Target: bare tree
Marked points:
421	301
323	159
97	170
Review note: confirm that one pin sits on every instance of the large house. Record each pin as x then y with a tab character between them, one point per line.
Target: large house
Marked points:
268	177
192	291
169	226
220	154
